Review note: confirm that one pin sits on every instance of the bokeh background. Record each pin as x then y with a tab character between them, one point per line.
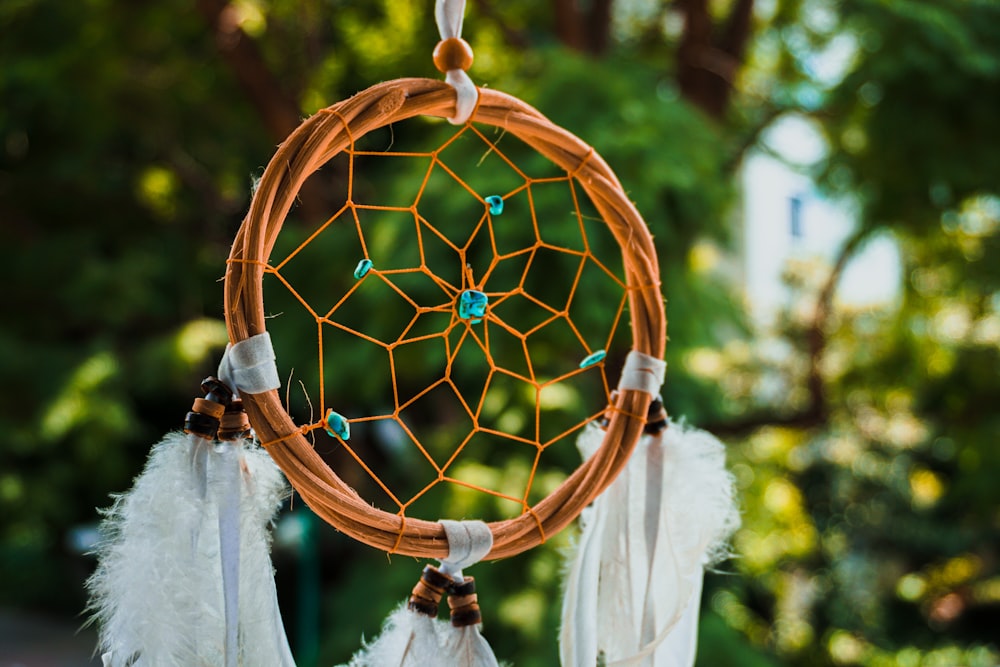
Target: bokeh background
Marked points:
863	438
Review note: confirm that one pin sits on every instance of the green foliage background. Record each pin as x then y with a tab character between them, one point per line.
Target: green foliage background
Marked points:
871	512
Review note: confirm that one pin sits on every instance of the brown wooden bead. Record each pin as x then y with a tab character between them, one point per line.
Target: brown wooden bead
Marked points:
422	607
437	580
427	594
466	616
202	425
206	407
453	53
464	589
216	390
656	418
464	604
233	425
459	601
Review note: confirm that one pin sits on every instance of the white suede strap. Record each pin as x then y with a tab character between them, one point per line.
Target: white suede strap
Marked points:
468	543
248	366
643	373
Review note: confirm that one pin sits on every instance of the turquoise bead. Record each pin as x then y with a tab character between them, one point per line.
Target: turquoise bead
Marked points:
592	359
496	204
338	426
472	305
364	266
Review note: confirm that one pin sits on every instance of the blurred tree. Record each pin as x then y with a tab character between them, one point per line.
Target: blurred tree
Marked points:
128	137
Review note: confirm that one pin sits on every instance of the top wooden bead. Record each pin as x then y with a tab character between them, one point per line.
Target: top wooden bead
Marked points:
453	53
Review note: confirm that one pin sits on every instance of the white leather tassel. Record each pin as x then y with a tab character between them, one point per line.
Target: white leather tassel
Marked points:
634	586
197	516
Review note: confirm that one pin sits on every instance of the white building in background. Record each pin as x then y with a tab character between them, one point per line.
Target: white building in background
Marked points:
785	219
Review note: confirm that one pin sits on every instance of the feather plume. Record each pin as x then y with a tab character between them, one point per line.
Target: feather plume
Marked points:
157	593
408	639
466	647
634	587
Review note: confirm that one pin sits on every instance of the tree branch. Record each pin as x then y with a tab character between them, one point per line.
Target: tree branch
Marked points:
515	38
817	412
736	32
599	27
750	139
279	111
706	65
816	335
588	32
695	45
569	26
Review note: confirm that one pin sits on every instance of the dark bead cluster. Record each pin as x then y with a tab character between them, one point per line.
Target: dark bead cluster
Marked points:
656	416
218	416
462	599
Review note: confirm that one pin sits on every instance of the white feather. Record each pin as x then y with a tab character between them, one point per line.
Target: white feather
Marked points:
157	592
648	537
466	647
411	639
408	639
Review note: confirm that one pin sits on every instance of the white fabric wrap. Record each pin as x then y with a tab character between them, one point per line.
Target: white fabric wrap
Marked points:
643	373
248	366
449	15
468	543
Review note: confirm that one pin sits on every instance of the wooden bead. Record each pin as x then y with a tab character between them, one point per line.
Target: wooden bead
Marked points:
464	604
205	407
216	391
422	606
201	425
427	594
656	419
233	425
437	580
453	53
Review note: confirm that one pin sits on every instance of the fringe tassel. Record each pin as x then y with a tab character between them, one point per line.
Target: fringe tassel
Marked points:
634	586
184	573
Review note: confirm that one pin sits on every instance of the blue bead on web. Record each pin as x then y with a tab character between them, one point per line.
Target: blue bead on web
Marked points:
472	305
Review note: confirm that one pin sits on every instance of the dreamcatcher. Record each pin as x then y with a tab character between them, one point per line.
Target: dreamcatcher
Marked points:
527	305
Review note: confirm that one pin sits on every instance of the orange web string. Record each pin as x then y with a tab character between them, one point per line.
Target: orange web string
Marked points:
466	332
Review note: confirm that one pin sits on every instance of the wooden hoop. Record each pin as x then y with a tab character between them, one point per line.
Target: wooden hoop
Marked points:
315	142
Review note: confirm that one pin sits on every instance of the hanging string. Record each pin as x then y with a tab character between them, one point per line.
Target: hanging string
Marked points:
453	56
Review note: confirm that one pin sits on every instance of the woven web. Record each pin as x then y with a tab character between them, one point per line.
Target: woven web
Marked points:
436	393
